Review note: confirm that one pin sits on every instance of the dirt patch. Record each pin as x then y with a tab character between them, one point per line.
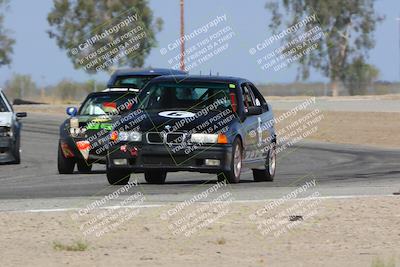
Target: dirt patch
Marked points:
342	232
338	98
371	129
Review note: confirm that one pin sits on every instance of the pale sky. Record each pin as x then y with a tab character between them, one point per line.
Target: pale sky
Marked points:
39	56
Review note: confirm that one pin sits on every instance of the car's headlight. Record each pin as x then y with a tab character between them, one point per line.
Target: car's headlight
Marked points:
204	138
123	136
6	131
128	136
10	132
135	136
209	138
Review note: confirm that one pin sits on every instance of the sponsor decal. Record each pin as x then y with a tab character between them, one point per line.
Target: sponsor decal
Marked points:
97	126
101	119
84	148
176	114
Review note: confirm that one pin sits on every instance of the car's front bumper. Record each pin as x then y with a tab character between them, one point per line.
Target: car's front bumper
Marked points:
161	156
6	149
93	156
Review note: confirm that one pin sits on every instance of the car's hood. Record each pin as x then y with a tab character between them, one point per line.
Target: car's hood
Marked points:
6	118
178	120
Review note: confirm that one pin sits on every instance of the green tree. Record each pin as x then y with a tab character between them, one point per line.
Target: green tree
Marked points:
21	86
359	76
73	22
6	42
348	26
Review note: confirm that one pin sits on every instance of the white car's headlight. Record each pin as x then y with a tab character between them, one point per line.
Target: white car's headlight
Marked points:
130	136
204	138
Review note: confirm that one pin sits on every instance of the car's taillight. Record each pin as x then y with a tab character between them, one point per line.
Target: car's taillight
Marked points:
114	136
233	101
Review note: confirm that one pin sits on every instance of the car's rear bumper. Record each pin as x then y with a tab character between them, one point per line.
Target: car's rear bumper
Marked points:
6	149
159	156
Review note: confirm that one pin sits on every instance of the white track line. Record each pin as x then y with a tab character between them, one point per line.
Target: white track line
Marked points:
204	202
76	209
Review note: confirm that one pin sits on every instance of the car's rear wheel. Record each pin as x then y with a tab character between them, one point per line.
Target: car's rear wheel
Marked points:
118	177
83	166
155	176
267	174
65	165
233	175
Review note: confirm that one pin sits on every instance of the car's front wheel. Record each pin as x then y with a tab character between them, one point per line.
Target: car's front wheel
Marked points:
267	174
65	165
16	151
233	175
118	177
155	176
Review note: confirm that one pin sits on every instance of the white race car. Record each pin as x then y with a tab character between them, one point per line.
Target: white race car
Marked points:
10	129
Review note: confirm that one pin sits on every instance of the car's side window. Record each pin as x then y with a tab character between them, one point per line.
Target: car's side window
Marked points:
3	104
247	96
259	99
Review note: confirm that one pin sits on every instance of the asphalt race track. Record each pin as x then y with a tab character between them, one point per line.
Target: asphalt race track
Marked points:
340	170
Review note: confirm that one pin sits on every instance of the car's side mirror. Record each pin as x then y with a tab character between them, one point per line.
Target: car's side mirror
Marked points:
254	111
21	114
72	111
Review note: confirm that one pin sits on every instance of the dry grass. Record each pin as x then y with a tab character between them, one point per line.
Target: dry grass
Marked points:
75	246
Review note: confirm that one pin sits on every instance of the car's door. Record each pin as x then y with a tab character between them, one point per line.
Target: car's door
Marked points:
249	124
265	123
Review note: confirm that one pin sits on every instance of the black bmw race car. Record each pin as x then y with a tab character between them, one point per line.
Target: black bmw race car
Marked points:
84	136
218	125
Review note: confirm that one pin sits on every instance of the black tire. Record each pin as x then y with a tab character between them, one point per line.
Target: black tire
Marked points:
155	176
83	166
233	175
118	177
16	152
267	174
65	165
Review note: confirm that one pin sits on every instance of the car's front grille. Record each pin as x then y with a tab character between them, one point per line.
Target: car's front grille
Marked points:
155	138
169	138
175	138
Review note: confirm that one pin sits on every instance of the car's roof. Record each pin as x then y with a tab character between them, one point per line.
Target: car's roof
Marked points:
148	71
121	91
198	78
142	72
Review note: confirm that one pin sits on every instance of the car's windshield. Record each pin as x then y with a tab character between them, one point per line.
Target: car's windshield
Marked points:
184	96
3	105
137	82
108	104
